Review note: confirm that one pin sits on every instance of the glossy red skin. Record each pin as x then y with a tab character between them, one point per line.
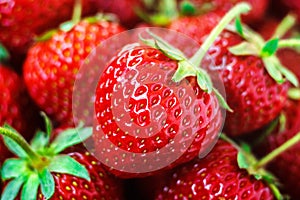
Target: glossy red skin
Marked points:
51	66
22	20
209	113
286	166
215	177
254	96
17	109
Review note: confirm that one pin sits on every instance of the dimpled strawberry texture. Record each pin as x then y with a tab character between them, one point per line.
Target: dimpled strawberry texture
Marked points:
144	100
215	177
287	165
51	66
22	20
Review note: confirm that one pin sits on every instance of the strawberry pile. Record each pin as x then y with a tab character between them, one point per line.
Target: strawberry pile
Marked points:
208	110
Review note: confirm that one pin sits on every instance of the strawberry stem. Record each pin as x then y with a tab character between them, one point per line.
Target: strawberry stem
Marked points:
22	142
77	11
289	43
286	24
268	158
236	11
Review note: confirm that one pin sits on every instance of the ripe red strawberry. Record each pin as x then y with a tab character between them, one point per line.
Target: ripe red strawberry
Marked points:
22	20
287	162
17	109
148	117
46	174
150	91
51	65
217	176
253	95
293	5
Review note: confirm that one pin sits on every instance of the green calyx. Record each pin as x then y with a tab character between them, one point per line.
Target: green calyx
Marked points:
255	45
36	162
4	55
191	67
246	160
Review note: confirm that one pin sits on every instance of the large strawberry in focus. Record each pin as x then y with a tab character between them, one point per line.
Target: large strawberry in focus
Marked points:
22	20
51	65
41	172
215	177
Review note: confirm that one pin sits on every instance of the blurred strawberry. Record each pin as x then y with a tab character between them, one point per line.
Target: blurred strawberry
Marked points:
22	20
51	65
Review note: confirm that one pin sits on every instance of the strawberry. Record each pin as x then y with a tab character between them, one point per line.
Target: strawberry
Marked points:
46	174
17	109
142	100
51	66
125	10
227	172
292	5
22	20
248	75
287	162
217	176
259	7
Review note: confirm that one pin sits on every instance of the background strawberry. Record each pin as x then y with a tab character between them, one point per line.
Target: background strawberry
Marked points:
46	174
51	66
217	176
22	20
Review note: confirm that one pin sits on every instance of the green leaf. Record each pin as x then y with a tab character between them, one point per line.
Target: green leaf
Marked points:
66	26
239	27
12	145
66	165
39	141
12	189
70	137
184	70
242	160
270	47
246	147
4	55
272	70
244	49
294	93
13	168
187	8
47	182
30	188
222	101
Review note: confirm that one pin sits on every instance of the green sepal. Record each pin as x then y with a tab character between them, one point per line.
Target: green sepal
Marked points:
67	26
70	137
204	81
270	48
222	101
239	27
245	159
48	125
273	70
13	168
39	141
294	93
67	165
244	49
12	188
184	70
30	188
46	36
187	8
47	182
242	160
289	75
282	122
12	145
4	55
